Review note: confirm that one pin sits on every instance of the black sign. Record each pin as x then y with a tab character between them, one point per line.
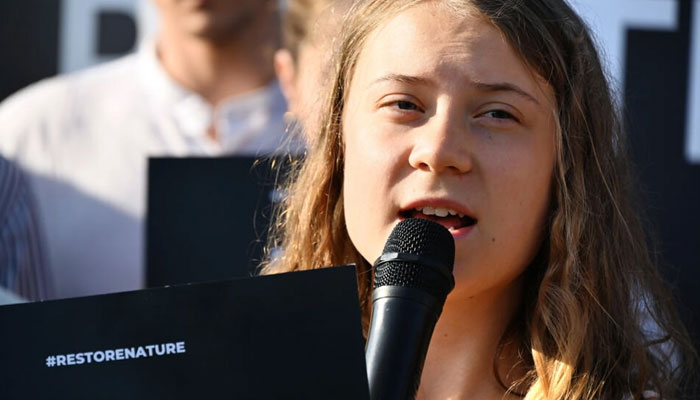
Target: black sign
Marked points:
291	336
207	218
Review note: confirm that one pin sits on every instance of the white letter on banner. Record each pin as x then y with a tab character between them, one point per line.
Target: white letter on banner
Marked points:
609	21
79	31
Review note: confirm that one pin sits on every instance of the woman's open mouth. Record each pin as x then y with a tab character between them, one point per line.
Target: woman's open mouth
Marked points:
450	219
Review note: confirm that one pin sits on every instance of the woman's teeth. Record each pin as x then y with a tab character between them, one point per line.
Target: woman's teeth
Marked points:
439	211
448	218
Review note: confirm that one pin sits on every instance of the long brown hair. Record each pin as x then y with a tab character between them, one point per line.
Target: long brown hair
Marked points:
596	321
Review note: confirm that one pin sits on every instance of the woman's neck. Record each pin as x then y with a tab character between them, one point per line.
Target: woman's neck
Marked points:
460	359
217	70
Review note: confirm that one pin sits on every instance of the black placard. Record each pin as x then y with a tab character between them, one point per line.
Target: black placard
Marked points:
207	217
290	336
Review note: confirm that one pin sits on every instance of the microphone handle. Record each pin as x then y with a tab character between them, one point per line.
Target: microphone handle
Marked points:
402	324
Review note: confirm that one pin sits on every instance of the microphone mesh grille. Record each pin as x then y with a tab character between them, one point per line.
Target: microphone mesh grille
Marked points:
426	239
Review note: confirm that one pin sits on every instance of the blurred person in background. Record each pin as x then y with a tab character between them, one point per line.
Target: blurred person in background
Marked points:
203	86
309	31
23	270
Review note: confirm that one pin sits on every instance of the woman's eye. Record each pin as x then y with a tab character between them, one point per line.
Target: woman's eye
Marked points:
406	105
402	109
500	114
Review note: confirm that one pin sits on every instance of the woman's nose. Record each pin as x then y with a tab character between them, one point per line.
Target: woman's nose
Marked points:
441	146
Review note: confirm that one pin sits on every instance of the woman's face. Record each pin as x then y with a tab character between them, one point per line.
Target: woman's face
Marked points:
444	121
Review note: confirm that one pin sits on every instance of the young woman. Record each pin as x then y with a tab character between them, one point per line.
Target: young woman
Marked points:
493	118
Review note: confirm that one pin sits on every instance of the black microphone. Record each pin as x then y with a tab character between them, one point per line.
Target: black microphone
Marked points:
412	279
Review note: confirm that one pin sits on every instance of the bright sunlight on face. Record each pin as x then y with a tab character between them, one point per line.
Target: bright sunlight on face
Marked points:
444	121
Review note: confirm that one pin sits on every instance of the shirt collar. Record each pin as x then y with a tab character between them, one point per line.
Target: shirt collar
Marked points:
239	120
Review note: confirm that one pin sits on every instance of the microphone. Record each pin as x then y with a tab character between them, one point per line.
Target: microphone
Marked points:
412	279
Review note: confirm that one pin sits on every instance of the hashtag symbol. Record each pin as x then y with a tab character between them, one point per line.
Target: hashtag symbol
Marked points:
50	361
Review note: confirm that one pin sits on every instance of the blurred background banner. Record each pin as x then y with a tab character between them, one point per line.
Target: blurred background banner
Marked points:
94	31
652	54
42	38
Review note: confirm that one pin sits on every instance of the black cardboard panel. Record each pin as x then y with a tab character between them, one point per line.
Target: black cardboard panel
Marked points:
289	336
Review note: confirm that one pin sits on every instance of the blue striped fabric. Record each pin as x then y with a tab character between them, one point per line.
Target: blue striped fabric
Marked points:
23	267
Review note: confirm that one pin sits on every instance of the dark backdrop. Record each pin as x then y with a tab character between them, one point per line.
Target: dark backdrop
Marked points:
656	82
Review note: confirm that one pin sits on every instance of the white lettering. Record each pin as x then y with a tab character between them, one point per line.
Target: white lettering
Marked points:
130	352
115	354
609	21
79	30
180	347
98	356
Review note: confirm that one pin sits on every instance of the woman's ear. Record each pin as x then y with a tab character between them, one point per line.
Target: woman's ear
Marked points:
286	73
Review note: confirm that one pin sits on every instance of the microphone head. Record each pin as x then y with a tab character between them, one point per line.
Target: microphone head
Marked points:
420	254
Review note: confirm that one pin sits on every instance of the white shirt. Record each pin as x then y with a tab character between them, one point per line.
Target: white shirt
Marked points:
85	139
